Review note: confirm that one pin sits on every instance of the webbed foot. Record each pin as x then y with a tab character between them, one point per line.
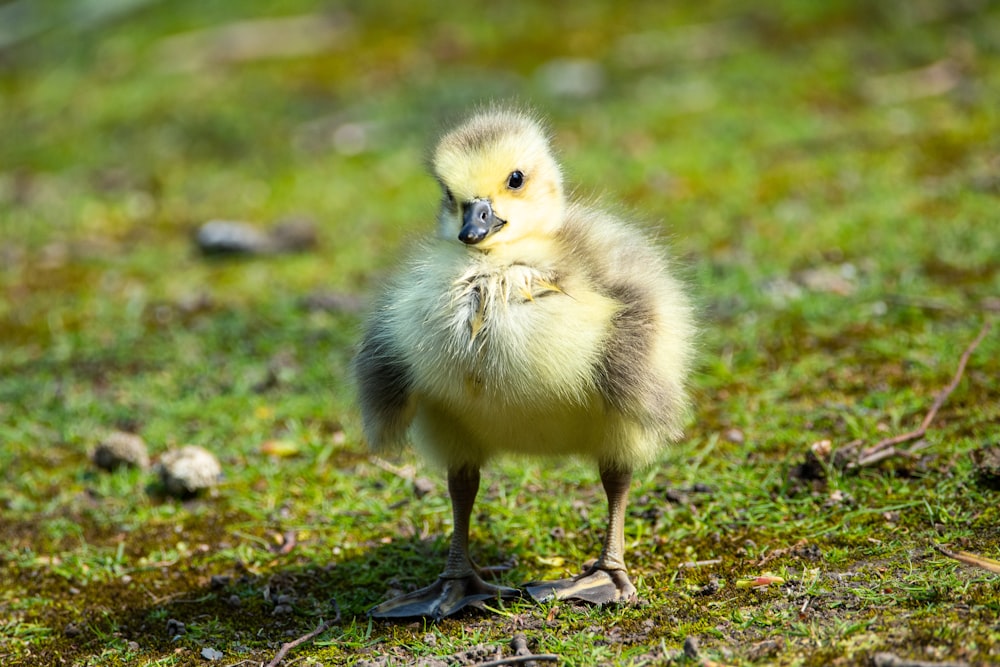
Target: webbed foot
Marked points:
595	586
443	598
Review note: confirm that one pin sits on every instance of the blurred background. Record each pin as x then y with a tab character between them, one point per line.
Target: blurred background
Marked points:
197	198
766	140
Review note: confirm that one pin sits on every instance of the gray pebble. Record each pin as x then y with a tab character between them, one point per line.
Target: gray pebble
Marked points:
691	648
422	486
120	449
188	470
175	628
211	654
229	237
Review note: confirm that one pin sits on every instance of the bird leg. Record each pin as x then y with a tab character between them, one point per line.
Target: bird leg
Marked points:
460	584
606	581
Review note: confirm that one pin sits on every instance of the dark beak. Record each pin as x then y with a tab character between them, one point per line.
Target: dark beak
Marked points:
478	221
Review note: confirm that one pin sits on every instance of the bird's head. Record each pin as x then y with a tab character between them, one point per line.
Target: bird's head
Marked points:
502	188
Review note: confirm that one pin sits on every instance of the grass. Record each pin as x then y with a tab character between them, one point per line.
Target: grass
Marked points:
825	174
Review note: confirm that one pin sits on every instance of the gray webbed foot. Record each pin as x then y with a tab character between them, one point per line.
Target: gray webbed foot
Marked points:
595	586
444	597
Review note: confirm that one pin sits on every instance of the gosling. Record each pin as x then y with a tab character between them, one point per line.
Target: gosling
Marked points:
533	325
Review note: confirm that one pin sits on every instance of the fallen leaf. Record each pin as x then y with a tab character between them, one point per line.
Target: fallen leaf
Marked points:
280	448
759	582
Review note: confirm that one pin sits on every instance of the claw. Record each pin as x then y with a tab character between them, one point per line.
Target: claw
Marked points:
443	598
594	586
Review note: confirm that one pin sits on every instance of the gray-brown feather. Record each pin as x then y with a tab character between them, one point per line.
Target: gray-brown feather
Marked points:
384	383
623	375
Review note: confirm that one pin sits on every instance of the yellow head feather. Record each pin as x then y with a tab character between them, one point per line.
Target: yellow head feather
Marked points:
475	161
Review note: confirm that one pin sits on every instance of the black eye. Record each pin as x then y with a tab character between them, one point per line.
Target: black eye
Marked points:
515	180
448	197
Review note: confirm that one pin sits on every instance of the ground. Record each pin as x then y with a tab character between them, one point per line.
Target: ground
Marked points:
825	176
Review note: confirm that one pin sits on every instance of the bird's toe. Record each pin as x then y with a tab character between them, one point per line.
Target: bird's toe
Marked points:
444	597
595	586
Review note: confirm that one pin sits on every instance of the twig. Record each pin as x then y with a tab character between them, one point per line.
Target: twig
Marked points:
699	563
887	448
778	553
320	629
869	457
406	472
971	559
518	659
893	660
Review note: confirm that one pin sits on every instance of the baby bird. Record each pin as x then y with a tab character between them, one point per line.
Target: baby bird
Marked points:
533	325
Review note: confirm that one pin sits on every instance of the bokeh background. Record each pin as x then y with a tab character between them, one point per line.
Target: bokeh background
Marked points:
824	174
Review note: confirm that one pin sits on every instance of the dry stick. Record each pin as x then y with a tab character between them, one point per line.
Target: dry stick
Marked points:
320	629
872	456
699	563
971	559
873	451
893	660
518	659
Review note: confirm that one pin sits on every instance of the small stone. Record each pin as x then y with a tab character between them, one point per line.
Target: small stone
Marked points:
987	464
235	601
186	471
229	237
211	654
72	630
711	588
519	644
422	486
735	435
282	610
284	599
822	449
175	628
764	649
691	648
121	450
219	581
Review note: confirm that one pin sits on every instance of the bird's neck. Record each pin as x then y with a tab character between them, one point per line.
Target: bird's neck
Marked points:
535	251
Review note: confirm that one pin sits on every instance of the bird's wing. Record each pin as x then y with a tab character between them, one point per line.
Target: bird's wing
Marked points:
638	372
384	389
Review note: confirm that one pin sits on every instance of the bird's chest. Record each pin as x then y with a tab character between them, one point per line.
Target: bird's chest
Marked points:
496	311
515	336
